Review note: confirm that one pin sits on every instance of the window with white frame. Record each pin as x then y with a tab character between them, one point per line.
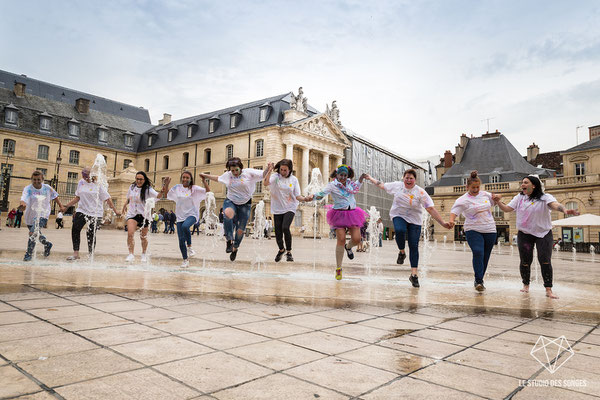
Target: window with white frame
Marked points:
8	147
260	144
229	151
580	168
264	112
494	178
45	124
43	152
259	184
464	181
129	140
73	129
102	135
571	205
498	213
212	125
150	140
74	157
11	116
126	163
233	120
72	182
190	131
170	135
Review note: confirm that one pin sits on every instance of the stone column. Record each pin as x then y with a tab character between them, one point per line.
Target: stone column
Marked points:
338	161
325	170
289	151
305	169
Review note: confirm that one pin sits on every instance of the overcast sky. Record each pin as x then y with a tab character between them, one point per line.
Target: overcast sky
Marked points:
413	75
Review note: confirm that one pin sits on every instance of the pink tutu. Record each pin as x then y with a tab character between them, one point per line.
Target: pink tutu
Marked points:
346	218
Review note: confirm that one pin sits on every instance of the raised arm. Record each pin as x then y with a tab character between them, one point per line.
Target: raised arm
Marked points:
165	188
267	176
268	170
556	206
211	177
436	215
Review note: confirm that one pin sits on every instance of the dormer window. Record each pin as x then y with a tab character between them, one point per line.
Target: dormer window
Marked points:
191	129
73	125
151	138
11	114
264	112
149	141
234	119
45	122
494	178
102	134
171	134
128	138
213	123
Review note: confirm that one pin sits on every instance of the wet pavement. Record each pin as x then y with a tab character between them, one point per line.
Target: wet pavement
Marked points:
259	329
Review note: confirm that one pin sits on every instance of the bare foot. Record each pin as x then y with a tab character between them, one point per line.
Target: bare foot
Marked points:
550	294
525	289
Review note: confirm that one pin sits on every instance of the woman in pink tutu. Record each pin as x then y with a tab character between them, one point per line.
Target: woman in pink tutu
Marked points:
344	214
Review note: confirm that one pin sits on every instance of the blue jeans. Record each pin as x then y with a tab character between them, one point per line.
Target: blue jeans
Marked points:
481	245
40	237
413	232
184	235
237	224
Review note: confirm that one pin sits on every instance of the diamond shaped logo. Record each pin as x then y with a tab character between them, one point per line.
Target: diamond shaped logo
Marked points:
548	352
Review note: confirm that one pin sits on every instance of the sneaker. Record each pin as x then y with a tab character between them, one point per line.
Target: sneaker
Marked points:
185	264
279	255
414	280
349	252
288	257
73	258
229	248
47	248
401	258
144	258
233	255
191	252
338	273
479	287
27	257
130	258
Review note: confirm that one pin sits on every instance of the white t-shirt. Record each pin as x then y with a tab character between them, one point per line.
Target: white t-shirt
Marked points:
37	205
240	189
533	216
283	193
59	215
136	206
342	194
187	202
477	211
91	198
408	203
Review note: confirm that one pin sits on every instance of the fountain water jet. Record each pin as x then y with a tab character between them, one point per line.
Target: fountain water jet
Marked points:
260	221
315	186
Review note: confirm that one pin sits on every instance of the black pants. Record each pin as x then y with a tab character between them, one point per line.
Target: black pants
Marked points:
79	221
59	223
282	228
525	243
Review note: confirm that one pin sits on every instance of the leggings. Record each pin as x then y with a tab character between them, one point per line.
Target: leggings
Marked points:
413	231
481	245
282	229
79	221
525	242
184	235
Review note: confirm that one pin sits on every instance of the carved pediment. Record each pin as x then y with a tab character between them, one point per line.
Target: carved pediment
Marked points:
579	158
321	125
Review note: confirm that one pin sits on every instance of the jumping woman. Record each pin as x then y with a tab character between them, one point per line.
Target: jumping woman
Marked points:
187	198
406	212
534	224
134	206
480	227
241	184
344	215
285	197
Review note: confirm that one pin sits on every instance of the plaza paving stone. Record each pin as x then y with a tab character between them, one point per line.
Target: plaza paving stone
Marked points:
286	331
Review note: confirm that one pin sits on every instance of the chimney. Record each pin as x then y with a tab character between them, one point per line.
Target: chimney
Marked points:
463	140
165	120
82	105
447	159
19	89
532	152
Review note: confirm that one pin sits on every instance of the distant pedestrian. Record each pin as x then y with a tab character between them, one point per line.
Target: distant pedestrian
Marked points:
59	220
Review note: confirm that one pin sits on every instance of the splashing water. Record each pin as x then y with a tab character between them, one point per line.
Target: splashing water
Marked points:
374	232
260	221
574	253
41	208
98	174
445	238
593	252
212	226
148	207
464	246
426	222
314	187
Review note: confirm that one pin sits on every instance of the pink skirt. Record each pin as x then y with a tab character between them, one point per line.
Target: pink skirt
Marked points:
346	218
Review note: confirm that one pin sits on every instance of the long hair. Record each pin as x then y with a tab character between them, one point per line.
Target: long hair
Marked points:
191	178
350	172
537	192
288	163
145	185
473	178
